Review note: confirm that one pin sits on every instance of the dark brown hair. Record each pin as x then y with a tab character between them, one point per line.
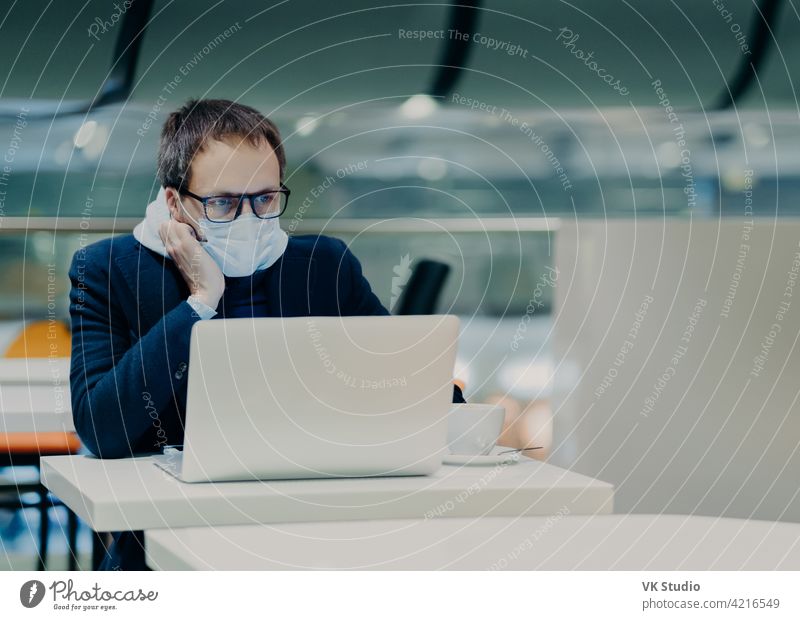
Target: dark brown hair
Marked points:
188	129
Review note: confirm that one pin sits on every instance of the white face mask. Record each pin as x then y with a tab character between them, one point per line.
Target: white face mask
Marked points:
245	245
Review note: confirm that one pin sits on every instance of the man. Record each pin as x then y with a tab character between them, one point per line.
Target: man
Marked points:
210	246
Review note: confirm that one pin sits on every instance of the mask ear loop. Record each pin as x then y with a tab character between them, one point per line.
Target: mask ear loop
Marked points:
189	215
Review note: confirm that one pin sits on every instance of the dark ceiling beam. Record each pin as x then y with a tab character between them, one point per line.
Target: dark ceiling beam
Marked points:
760	37
464	19
119	82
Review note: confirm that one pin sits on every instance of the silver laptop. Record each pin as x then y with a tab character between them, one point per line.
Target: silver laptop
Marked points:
316	397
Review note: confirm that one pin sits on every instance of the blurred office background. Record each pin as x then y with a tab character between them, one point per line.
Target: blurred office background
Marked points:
464	132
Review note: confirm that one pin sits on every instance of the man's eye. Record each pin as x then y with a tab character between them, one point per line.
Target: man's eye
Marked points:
220	203
265	199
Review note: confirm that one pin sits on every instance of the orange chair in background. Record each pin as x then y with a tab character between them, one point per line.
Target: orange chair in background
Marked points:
41	339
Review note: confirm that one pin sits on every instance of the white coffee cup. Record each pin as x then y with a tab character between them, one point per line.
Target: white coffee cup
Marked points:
473	429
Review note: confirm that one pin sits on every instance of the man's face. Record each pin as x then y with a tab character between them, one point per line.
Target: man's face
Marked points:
228	167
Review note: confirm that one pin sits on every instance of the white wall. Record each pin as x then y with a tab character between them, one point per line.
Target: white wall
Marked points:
718	440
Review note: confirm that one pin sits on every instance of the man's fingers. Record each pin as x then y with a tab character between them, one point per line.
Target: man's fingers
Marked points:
163	231
175	231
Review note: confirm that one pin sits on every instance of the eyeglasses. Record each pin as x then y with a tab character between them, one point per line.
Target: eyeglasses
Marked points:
265	205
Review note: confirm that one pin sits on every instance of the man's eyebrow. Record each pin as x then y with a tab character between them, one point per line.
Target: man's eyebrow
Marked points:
220	192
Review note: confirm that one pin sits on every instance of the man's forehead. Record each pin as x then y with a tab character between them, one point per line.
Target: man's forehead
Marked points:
234	166
238	145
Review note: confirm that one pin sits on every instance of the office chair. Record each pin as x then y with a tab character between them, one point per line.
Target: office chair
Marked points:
421	293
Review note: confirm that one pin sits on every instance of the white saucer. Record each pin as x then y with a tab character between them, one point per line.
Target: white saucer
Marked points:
481	460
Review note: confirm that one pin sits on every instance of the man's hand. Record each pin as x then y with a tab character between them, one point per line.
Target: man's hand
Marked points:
199	270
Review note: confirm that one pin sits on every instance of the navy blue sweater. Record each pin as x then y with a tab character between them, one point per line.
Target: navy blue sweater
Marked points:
131	327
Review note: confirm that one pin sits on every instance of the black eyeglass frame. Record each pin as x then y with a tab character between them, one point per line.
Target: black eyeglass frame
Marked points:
204	200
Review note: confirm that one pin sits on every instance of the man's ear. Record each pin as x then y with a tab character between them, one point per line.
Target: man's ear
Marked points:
173	205
178	213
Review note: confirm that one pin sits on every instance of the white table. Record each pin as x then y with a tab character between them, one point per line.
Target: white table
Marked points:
35	370
601	542
35	396
134	494
34	410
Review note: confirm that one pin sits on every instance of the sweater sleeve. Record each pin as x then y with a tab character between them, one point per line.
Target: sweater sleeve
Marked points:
119	389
